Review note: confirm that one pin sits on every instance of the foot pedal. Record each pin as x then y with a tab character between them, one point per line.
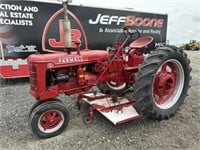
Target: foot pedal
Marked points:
116	116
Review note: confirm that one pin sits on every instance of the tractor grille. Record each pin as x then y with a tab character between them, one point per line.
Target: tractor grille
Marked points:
33	77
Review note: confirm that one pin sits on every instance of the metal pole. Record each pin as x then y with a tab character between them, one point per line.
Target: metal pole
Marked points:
1	48
67	25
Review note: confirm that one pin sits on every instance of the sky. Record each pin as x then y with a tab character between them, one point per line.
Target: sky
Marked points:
183	15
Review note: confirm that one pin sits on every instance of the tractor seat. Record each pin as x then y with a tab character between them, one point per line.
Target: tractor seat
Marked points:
141	42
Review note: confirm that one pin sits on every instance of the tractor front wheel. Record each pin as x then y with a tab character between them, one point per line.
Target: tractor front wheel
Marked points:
48	119
162	82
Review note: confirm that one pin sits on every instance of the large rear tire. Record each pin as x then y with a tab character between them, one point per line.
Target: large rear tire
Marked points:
162	82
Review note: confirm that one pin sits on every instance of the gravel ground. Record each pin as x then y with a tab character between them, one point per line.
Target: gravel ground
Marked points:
179	132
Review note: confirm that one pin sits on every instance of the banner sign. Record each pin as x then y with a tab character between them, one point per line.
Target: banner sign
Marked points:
27	27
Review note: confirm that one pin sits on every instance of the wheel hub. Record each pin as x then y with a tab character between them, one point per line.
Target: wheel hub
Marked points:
168	84
50	119
164	85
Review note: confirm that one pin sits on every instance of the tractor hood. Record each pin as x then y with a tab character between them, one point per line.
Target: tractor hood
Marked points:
85	56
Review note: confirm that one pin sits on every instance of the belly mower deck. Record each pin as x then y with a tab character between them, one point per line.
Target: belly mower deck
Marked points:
116	109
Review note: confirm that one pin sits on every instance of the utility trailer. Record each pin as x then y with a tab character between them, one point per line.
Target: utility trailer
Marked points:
28	27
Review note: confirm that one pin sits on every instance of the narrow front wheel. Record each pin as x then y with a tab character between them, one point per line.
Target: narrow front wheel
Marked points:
49	119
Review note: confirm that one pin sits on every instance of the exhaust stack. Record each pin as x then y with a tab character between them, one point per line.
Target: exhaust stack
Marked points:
67	25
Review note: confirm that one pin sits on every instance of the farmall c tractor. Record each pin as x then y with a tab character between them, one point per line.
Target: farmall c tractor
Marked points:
158	82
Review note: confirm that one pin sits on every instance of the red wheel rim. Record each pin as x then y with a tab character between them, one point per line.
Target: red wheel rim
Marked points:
168	84
116	85
50	121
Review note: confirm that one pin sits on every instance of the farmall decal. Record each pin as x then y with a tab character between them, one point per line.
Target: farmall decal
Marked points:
71	59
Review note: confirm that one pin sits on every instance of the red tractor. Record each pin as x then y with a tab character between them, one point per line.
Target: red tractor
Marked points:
158	81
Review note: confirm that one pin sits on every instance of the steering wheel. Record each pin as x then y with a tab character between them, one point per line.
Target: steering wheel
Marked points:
132	31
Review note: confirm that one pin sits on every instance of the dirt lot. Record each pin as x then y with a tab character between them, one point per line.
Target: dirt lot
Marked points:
179	132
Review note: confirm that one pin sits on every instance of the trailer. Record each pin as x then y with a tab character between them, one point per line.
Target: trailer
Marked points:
28	27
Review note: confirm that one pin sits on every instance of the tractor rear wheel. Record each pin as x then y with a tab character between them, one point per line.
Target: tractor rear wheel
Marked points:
162	82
